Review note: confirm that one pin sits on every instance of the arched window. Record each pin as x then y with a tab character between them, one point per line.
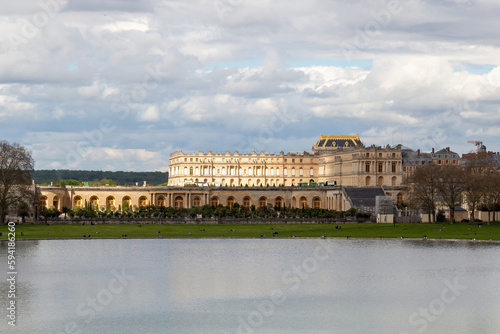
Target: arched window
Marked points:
94	202
110	203
303	203
196	202
143	202
43	202
368	181
214	201
262	202
293	171
278	202
311	172
160	201
250	171
197	171
178	202
78	202
246	203
316	203
277	172
191	171
55	202
185	171
380	181
126	203
400	198
394	180
272	171
294	202
230	202
301	172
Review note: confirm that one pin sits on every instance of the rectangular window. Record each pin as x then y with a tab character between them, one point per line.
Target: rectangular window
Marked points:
367	167
380	167
277	172
311	172
293	171
285	171
394	167
301	172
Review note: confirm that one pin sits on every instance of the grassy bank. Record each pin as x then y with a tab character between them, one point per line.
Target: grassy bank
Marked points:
365	230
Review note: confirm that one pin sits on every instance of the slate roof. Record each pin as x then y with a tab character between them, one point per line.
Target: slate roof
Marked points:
364	196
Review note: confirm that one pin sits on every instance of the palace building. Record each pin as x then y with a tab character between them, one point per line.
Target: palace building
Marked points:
341	160
338	173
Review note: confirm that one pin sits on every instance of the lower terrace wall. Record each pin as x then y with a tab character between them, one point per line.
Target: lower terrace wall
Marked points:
208	221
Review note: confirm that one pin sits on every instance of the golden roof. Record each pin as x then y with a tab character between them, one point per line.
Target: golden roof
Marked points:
338	141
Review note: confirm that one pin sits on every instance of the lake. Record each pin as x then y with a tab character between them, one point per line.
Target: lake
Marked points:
253	286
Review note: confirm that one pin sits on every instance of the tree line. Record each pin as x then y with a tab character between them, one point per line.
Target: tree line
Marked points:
98	177
206	211
477	184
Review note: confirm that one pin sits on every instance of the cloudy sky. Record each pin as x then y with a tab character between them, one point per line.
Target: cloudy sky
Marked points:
120	84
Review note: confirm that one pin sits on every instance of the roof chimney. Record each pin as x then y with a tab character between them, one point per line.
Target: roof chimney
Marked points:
433	150
418	152
448	149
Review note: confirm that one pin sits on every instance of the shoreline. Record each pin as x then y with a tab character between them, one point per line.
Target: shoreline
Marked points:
261	238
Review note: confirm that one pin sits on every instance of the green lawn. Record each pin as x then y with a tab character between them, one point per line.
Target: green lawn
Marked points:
360	230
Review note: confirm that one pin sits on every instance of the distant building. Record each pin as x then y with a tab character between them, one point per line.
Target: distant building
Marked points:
413	159
341	160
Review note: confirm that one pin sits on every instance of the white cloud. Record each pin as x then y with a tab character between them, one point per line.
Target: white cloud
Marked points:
213	77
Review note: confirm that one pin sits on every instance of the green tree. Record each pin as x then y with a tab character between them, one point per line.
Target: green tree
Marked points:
65	210
23	210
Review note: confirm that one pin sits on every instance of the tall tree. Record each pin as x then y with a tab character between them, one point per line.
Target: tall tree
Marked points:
491	196
15	179
450	187
423	189
478	170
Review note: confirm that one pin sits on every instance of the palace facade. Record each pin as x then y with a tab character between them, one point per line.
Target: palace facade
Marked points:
340	160
323	178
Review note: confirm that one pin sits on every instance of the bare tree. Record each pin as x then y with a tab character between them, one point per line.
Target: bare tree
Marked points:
478	170
491	195
15	179
450	187
423	189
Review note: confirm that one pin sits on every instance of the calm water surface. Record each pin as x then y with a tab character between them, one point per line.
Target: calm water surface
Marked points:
254	286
